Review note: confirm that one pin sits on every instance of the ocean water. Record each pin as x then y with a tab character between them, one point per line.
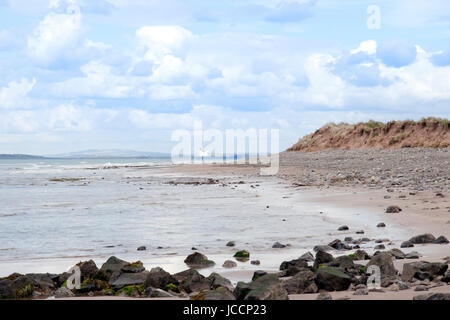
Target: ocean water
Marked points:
55	213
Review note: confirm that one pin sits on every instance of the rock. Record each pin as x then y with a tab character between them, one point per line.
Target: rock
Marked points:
403	285
440	240
258	274
112	268
380	247
307	257
88	269
412	255
433	296
130	279
361	255
423	270
192	281
381	225
345	263
423	238
198	260
219	294
302	282
216	281
339	245
322	258
135	267
229	264
348	239
331	279
159	278
278	245
39	281
157	293
361	292
407	244
268	287
322	248
6	289
242	254
298	263
255	262
421	288
397	253
64	293
360	232
231	244
142	248
324	296
343	228
446	277
384	261
393	209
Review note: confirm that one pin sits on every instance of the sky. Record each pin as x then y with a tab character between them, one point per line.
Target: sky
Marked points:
124	74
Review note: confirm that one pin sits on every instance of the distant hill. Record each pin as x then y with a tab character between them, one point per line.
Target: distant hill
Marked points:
19	156
113	153
429	132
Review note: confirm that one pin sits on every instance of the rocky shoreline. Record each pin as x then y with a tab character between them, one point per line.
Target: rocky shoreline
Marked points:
317	274
417	178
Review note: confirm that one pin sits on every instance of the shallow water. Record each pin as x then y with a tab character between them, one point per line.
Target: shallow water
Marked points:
54	213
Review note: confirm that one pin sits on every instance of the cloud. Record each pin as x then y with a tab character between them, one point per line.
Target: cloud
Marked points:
15	94
55	35
397	53
159	41
291	11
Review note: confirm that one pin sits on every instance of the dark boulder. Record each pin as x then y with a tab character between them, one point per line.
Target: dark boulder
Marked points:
88	269
303	282
278	245
6	289
192	281
423	238
198	260
220	293
397	253
267	287
384	261
112	268
361	255
407	244
130	279
440	240
393	209
216	281
158	278
322	258
322	248
343	228
258	274
423	270
331	279
135	267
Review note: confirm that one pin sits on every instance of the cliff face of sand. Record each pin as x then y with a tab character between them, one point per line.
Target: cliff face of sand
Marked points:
430	132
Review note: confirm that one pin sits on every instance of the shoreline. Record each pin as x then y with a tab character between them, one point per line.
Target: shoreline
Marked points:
360	206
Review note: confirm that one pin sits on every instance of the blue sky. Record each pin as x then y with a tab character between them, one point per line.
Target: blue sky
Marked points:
105	74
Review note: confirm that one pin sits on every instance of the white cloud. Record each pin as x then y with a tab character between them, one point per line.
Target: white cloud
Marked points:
159	41
55	34
15	94
369	47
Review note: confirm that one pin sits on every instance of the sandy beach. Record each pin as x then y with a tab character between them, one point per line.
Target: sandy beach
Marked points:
290	208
